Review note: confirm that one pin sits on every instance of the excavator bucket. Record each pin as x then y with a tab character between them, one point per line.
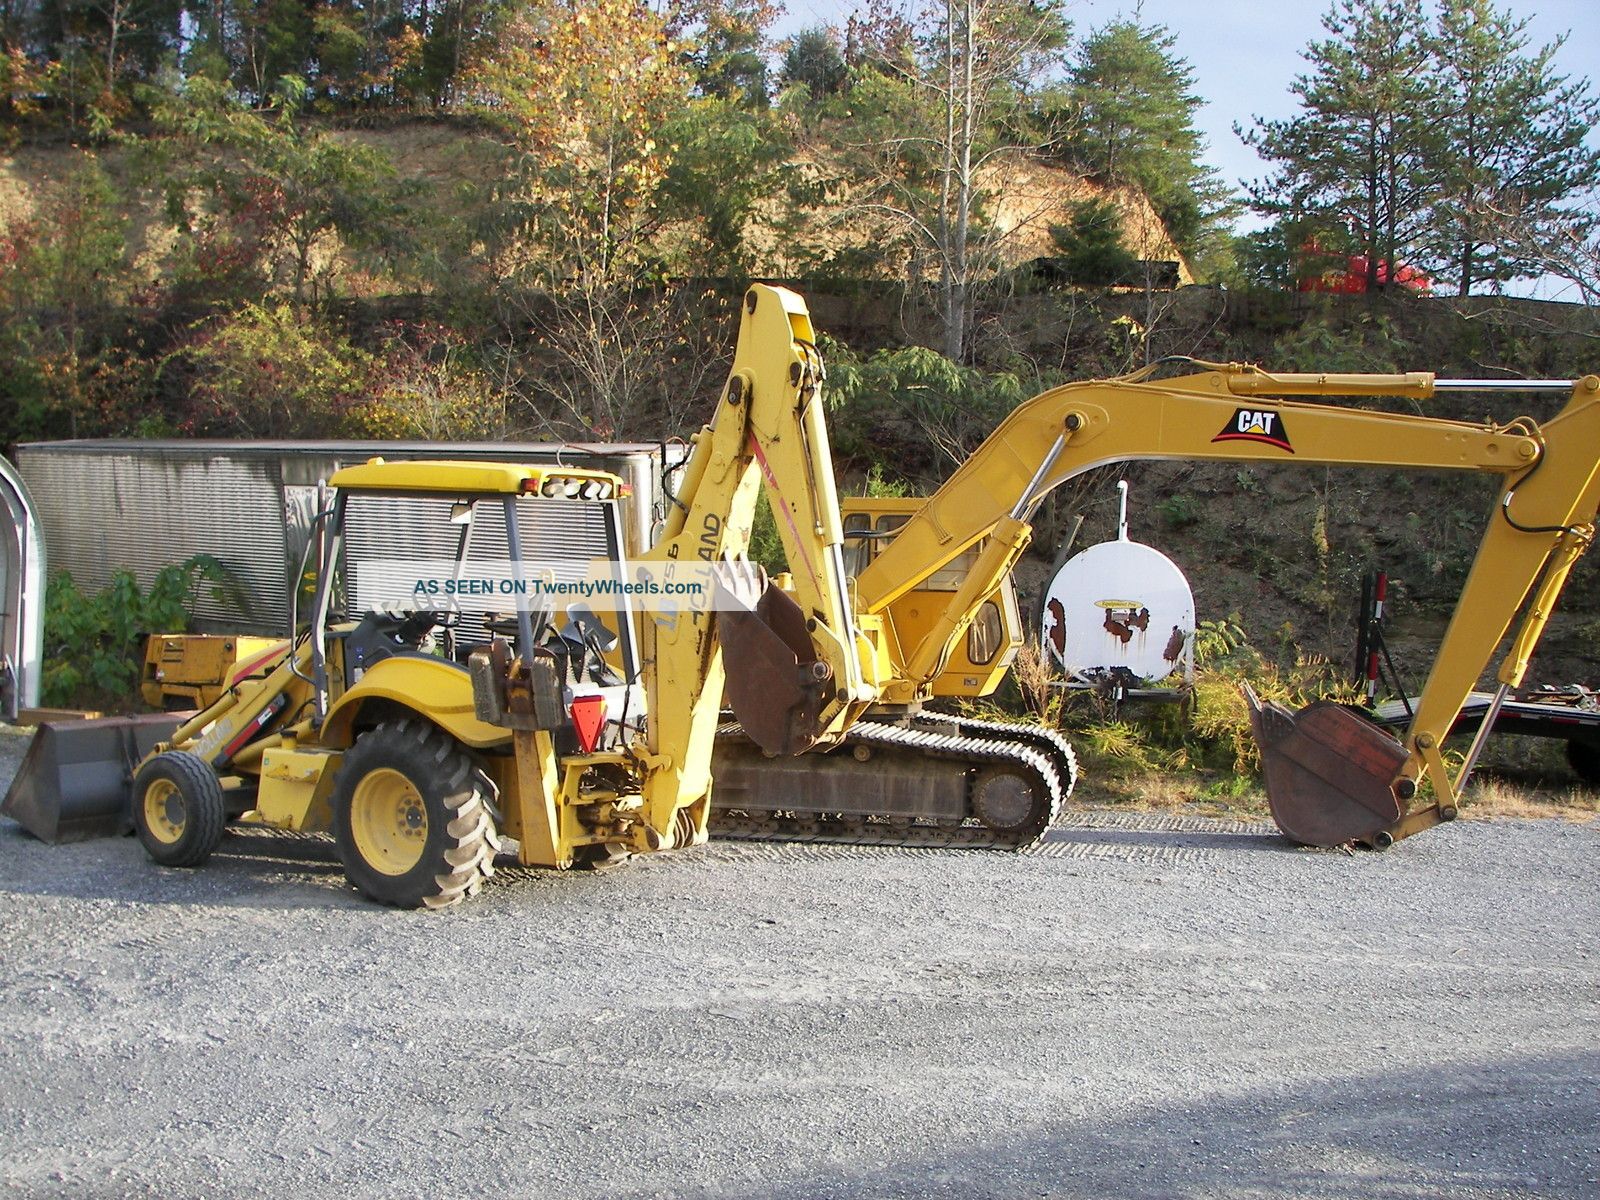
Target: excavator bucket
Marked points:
73	782
775	680
1330	774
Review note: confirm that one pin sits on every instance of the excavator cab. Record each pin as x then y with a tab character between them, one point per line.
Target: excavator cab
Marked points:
978	660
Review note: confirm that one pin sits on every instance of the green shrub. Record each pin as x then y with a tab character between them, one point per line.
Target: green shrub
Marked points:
94	644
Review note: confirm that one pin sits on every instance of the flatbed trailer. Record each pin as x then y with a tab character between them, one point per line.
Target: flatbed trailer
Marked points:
1571	715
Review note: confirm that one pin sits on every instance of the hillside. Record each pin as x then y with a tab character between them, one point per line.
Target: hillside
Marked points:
452	169
1282	552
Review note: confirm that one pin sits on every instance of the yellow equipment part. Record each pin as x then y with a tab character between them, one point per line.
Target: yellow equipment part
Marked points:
191	670
444	477
438	690
294	787
974	664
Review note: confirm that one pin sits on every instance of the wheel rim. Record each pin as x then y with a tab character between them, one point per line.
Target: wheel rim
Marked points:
165	814
388	821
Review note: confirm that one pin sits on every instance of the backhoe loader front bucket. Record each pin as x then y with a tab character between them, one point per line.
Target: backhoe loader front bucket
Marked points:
1330	775
775	680
73	782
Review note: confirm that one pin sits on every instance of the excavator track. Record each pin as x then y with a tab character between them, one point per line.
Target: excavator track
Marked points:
1052	743
894	785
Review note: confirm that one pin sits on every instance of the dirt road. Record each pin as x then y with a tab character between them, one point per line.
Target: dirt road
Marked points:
1144	1007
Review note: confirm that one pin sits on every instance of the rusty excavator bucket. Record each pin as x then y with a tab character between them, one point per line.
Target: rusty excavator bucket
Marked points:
1330	775
74	781
775	681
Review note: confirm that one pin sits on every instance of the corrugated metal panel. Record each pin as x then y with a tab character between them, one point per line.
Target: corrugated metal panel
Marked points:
143	512
303	463
145	504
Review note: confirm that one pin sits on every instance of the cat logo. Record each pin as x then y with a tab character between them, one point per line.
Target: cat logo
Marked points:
1256	425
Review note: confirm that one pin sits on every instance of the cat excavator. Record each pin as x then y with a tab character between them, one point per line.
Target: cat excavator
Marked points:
942	565
417	764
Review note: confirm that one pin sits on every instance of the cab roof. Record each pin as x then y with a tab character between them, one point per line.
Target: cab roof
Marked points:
461	478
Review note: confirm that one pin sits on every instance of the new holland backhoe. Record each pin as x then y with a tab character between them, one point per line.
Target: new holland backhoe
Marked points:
584	748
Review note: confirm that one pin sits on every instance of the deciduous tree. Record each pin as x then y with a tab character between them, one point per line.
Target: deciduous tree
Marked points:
929	126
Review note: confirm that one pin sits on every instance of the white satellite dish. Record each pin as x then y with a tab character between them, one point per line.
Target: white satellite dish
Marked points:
1120	605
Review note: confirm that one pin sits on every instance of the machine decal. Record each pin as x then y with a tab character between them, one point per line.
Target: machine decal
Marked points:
1256	425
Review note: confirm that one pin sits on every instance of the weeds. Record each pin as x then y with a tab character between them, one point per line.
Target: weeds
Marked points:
1200	752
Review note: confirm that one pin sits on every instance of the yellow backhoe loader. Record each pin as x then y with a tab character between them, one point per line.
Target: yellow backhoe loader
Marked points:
584	750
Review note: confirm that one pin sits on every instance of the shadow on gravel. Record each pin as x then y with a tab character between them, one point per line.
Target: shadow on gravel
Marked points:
249	868
1518	1126
1222	841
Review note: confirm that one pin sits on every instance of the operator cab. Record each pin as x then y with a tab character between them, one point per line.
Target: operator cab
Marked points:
436	560
979	660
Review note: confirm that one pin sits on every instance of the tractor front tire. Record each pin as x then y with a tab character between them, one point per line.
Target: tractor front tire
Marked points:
411	816
178	808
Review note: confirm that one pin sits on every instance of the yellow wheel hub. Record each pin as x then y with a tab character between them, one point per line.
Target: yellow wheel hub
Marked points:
388	821
165	814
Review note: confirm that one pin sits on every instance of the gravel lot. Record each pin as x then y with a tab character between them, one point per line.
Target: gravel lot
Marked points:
1145	1006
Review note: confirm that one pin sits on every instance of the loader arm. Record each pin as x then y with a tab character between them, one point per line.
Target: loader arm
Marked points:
1543	520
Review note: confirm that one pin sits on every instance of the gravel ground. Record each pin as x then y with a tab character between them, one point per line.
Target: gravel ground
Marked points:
1145	1006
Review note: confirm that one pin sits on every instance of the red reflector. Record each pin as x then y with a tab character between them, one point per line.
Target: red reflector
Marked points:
588	719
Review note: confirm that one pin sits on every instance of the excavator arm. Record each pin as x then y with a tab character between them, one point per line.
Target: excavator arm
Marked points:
1544	520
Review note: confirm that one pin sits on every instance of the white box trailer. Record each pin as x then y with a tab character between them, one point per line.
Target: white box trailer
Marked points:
106	505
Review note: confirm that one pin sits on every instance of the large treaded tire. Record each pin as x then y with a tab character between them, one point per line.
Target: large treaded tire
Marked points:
1584	759
450	817
179	810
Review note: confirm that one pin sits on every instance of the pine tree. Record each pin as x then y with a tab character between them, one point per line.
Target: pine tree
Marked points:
1135	106
1362	154
1512	144
813	61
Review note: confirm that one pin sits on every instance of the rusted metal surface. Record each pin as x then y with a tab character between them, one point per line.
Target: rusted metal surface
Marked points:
1330	774
775	681
73	783
886	786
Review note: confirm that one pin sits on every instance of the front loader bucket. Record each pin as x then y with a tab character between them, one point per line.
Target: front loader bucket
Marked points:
1330	774
73	782
775	680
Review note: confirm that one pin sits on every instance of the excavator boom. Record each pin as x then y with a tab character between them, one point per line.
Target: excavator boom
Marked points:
1332	778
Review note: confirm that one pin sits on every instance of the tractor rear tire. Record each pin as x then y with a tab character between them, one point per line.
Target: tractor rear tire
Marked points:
178	808
412	818
1584	759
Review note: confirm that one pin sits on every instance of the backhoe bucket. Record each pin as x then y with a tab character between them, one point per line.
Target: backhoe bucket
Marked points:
1330	774
73	783
775	680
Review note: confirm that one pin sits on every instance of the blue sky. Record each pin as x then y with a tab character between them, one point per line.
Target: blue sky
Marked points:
1246	53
